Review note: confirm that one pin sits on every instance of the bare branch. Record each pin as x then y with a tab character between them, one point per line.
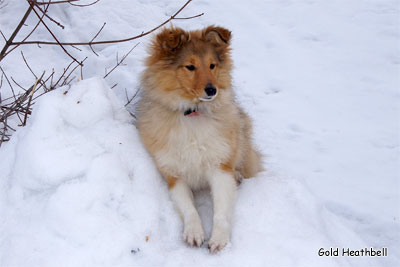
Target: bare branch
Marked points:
17	84
122	60
173	17
30	99
31	3
57	2
5	39
8	81
130	99
90	43
26	37
14	34
50	18
192	17
84	5
26	63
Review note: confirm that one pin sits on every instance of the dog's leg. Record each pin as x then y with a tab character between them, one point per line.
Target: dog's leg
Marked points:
223	191
182	196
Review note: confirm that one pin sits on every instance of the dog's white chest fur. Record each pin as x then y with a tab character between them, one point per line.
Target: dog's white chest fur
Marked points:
195	145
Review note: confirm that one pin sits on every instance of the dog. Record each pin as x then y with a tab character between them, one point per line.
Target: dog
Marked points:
190	123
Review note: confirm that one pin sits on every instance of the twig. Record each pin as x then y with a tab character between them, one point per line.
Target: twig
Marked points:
113	41
15	109
5	39
77	48
16	102
1	83
56	2
3	135
50	18
66	78
134	95
43	83
26	37
17	84
65	71
192	17
30	99
122	60
84	5
9	84
10	41
26	63
31	3
90	43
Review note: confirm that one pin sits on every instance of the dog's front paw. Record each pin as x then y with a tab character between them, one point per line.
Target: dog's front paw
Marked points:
193	233
219	239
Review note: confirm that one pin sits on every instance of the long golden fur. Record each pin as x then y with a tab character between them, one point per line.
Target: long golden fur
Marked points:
217	140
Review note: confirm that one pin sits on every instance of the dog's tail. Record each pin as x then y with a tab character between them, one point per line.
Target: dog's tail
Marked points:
251	159
252	163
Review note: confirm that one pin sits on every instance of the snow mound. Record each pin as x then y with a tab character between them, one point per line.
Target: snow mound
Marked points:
82	185
79	189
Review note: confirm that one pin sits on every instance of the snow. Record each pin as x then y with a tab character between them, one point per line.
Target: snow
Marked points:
320	80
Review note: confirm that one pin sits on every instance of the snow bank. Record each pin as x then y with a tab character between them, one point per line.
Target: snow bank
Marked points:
78	189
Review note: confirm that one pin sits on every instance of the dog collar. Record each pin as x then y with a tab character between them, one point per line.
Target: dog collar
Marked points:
191	112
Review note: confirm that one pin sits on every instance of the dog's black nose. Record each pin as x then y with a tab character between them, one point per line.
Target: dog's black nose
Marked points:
210	90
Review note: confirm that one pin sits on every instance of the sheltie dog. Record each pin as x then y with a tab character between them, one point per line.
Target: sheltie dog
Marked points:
196	133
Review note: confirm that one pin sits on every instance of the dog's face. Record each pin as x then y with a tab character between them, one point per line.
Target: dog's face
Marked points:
190	67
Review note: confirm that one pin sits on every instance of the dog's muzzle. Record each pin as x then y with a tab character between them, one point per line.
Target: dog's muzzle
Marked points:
211	93
208	98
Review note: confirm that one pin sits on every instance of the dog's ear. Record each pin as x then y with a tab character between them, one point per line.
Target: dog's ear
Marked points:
170	40
218	36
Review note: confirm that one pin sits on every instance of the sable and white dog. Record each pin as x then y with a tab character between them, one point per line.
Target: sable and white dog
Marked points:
190	123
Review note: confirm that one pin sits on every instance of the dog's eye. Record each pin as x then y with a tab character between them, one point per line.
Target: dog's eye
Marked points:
212	66
191	67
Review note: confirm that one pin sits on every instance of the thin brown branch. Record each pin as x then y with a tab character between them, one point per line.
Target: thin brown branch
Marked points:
30	99
192	17
11	128
1	83
43	82
85	4
122	60
5	39
173	17
18	84
9	84
32	4
62	75
44	12
81	77
4	137
130	99
97	34
16	109
77	48
14	34
26	37
26	63
56	2
16	102
72	71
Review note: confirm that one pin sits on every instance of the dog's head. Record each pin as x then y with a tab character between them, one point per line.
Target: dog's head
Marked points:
189	67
